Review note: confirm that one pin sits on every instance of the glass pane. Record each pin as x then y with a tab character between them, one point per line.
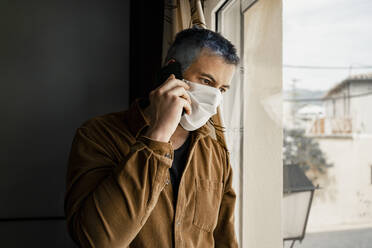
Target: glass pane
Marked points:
294	213
327	79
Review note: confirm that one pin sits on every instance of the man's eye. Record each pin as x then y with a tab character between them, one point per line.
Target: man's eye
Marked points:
206	81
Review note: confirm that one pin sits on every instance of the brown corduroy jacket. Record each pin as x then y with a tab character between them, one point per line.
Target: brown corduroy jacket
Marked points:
119	192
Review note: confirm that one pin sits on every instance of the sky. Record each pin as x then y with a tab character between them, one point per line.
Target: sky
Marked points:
325	33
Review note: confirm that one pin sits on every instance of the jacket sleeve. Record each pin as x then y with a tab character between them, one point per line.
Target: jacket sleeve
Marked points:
224	233
108	202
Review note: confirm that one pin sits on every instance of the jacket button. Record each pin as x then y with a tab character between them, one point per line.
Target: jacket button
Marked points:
167	181
168	155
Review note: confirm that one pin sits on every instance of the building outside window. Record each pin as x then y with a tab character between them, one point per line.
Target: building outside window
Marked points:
327	82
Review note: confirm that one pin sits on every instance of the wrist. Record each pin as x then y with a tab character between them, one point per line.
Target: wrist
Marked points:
156	134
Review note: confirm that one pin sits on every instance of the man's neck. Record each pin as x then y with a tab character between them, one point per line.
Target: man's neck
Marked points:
179	136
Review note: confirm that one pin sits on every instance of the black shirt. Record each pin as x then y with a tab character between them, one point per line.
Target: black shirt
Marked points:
178	166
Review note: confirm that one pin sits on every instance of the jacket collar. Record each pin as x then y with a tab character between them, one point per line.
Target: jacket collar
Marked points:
136	120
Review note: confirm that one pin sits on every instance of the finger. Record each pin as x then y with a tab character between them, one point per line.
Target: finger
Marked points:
181	92
171	77
172	82
186	106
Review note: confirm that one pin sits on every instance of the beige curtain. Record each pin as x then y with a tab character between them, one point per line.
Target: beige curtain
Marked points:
180	15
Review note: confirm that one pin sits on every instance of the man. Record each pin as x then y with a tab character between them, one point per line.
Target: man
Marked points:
153	176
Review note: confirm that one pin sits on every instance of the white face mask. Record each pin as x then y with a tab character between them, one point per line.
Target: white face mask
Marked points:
204	102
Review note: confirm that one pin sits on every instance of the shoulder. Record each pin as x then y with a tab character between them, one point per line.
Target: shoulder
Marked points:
101	119
104	123
107	128
109	132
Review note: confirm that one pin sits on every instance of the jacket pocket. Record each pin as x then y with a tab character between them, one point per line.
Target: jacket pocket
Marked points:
207	203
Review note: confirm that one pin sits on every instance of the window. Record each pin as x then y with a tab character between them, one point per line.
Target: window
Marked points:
252	115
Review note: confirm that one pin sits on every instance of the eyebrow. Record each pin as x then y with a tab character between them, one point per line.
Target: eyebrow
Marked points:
213	80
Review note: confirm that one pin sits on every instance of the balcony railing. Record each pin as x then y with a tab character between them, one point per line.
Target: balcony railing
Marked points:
331	126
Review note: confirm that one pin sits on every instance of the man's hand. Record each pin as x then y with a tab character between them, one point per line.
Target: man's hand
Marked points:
166	105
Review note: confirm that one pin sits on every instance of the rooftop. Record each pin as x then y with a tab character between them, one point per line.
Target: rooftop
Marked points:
352	78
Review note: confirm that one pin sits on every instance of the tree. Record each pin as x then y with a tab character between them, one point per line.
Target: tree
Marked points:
305	152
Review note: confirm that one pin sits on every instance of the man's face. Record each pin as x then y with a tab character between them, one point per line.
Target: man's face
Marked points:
210	70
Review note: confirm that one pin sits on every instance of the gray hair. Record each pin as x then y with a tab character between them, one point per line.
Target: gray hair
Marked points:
190	42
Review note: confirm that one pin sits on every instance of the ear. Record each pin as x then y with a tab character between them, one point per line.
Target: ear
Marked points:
170	62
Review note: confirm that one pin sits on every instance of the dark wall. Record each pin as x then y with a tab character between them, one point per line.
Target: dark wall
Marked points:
61	63
146	39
